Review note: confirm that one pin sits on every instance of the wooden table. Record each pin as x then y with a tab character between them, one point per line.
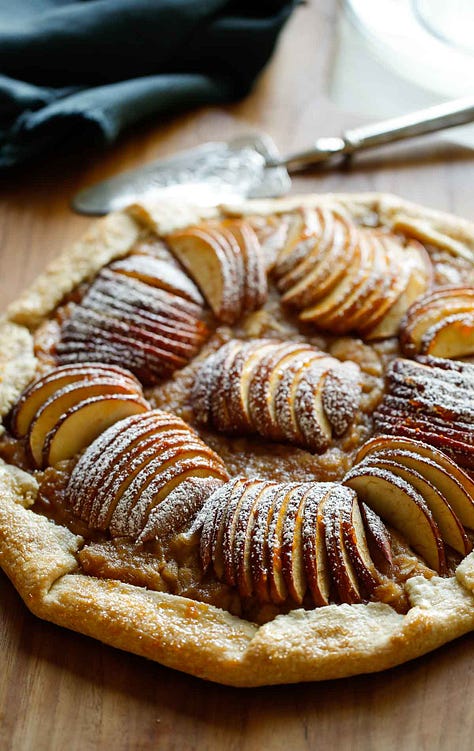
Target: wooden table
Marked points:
59	690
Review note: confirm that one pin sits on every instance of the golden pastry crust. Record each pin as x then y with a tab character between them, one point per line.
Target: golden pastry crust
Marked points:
39	556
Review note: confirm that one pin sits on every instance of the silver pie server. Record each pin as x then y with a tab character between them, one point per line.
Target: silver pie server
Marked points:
251	166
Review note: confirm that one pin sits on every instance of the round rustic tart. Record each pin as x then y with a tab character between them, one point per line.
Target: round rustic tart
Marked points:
42	556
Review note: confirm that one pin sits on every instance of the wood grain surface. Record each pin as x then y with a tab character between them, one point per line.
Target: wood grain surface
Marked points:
60	690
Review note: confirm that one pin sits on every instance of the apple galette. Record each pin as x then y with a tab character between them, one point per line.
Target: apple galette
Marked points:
240	440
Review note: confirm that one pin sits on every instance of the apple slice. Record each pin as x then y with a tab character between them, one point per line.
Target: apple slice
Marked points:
355	543
429	310
211	267
337	318
263	386
244	499
340	564
403	507
339	293
220	414
180	507
316	564
240	375
175	458
428	461
341	395
209	518
255	277
285	395
110	290
312	421
158	273
35	395
51	411
242	539
305	227
420	278
81	424
319	238
292	558
448	523
378	539
451	337
263	515
277	585
320	282
204	385
223	518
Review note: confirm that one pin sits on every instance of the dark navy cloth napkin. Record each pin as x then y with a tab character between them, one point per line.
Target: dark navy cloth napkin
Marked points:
83	70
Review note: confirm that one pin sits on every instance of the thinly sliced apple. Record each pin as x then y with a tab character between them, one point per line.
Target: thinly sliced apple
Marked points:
259	543
320	283
292	559
378	539
338	317
313	423
305	225
245	363
255	277
451	337
420	278
158	273
448	523
81	425
179	508
205	382
263	386
242	540
285	395
116	291
211	268
142	296
208	520
173	457
356	545
438	468
321	237
339	293
403	507
220	414
342	570
314	545
341	395
429	310
43	388
277	584
222	522
93	471
128	462
51	411
245	496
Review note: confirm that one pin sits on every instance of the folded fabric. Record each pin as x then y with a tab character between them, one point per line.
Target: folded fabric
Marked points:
83	70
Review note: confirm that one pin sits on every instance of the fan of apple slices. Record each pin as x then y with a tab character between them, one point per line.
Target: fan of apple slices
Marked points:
440	324
144	475
282	542
289	392
327	542
62	412
140	312
226	261
431	399
345	278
